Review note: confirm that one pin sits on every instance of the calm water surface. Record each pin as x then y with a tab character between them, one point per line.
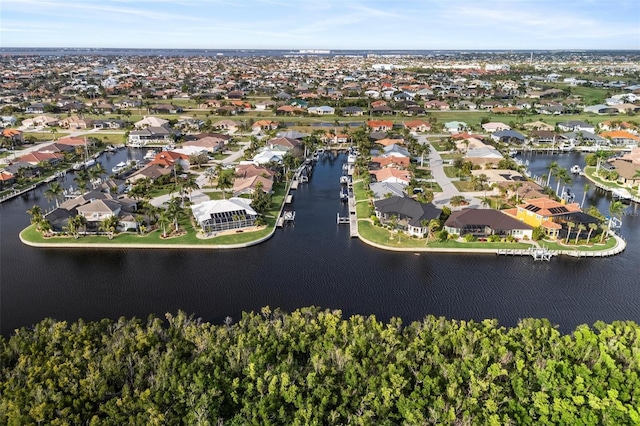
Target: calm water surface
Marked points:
313	262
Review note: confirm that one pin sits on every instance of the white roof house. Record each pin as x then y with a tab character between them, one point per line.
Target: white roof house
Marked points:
221	215
151	122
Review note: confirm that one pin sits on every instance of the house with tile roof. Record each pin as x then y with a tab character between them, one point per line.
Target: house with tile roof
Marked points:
547	213
380	125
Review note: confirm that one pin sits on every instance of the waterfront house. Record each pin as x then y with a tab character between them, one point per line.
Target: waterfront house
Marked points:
151	172
382	190
627	170
171	159
546	213
621	137
508	136
151	135
411	215
6	179
542	137
223	215
484	222
150	121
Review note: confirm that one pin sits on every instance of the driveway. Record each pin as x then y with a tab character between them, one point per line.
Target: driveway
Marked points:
448	188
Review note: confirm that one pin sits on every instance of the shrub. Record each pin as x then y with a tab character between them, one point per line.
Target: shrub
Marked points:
469	238
442	235
494	238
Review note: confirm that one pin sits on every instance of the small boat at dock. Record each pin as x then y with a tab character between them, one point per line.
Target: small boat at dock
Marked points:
150	155
119	168
576	170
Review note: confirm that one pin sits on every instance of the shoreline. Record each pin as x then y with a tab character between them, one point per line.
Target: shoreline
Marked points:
618	248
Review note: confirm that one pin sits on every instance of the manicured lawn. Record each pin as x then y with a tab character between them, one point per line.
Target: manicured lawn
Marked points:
594	245
590	171
385	237
438	145
464	185
451	171
363	210
422	173
360	191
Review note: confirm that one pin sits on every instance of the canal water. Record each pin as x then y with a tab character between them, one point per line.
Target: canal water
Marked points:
313	262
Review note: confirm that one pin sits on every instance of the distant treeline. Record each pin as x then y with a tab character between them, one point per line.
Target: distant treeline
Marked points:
315	367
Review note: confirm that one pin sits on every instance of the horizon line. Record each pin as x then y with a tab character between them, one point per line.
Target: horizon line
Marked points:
332	49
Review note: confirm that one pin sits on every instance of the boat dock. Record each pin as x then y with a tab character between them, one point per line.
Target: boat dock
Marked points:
352	219
289	199
536	253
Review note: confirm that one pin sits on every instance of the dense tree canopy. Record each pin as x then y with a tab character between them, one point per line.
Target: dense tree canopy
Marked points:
314	367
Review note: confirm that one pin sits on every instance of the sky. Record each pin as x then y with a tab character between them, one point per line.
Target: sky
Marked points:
322	24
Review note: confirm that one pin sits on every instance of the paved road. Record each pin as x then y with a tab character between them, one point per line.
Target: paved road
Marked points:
448	188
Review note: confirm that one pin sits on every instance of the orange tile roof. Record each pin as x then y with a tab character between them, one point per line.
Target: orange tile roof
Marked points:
545	205
379	123
550	225
619	134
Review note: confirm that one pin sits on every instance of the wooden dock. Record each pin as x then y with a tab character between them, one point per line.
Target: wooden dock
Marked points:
289	199
294	184
537	253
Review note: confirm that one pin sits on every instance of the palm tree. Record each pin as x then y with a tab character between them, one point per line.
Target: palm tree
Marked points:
552	167
190	185
162	221
580	228
225	181
563	177
592	227
584	195
36	214
54	191
109	225
616	209
570	226
45	226
174	210
605	230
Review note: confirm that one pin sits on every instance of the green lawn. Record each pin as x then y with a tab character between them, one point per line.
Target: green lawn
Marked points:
363	210
594	245
385	237
451	171
464	185
422	173
154	237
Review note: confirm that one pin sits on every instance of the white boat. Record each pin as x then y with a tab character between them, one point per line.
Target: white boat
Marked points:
77	166
351	159
150	155
620	194
513	152
90	162
576	170
344	179
119	168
